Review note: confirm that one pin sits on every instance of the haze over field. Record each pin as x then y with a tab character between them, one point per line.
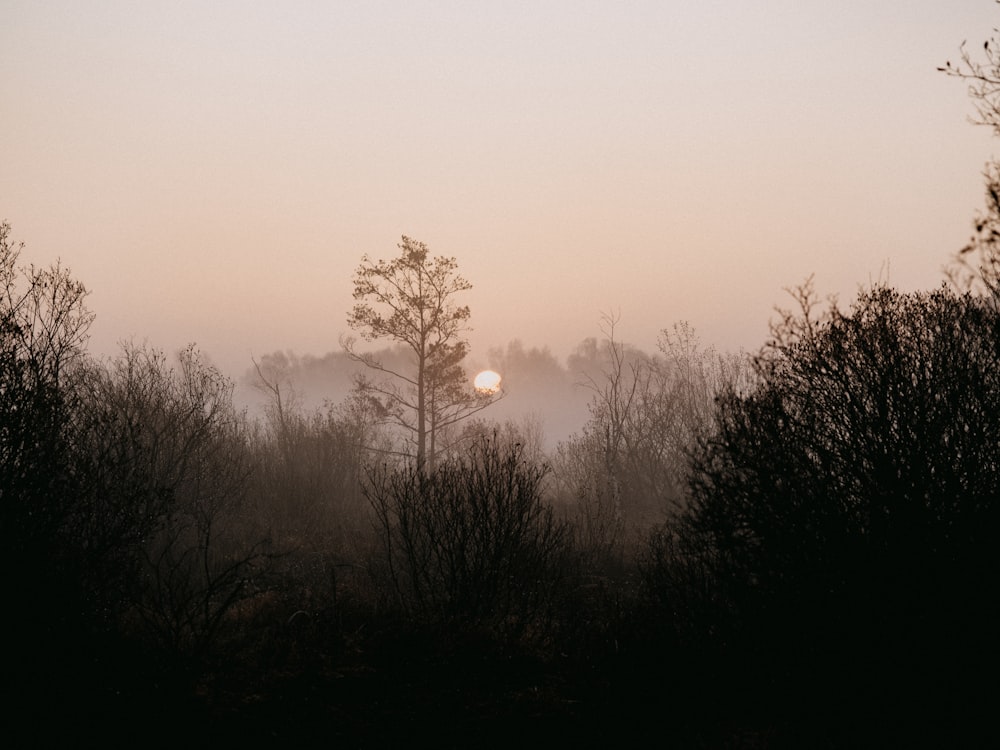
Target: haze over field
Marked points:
214	173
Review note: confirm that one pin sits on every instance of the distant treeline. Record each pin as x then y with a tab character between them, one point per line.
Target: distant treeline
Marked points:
552	394
791	549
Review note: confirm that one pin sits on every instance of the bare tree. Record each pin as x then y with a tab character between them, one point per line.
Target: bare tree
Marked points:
626	470
411	300
976	267
168	472
43	329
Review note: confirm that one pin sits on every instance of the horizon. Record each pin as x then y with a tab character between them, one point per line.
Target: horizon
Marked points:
215	175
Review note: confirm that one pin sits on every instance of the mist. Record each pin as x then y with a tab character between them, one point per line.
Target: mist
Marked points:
536	385
738	484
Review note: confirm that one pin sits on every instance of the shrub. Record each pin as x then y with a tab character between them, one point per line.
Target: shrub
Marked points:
471	541
844	513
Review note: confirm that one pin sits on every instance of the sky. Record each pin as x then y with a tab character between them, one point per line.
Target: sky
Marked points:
214	172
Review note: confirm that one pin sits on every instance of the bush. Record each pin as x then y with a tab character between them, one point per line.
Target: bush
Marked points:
844	514
471	541
168	469
43	326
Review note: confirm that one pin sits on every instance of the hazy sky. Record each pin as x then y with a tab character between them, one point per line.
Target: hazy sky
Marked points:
214	171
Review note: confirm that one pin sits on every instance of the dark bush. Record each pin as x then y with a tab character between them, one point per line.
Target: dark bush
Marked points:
840	543
470	542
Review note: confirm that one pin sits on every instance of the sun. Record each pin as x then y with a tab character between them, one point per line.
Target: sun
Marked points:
487	382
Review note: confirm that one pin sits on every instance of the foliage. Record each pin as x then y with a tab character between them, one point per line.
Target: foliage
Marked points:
471	541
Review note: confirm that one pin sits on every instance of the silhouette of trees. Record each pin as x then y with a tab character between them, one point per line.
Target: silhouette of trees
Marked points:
44	564
43	328
844	513
169	470
411	299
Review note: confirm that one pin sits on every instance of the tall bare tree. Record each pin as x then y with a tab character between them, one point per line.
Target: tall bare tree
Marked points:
411	300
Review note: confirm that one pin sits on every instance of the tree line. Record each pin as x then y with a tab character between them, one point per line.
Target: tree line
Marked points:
795	548
824	510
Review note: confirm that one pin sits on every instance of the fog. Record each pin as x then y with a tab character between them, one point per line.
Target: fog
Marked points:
536	384
214	176
738	486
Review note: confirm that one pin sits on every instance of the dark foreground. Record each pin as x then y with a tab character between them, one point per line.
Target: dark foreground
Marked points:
308	682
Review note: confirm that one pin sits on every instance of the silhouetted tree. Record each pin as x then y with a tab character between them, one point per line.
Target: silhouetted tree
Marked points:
168	469
976	266
845	512
411	299
43	330
50	618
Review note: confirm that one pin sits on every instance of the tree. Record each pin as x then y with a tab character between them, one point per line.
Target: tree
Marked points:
411	300
845	511
43	328
976	266
626	467
169	469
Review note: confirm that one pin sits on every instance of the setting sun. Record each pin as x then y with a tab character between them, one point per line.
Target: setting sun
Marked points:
487	382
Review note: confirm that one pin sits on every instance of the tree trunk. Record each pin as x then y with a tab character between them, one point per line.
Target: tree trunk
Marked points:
421	410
